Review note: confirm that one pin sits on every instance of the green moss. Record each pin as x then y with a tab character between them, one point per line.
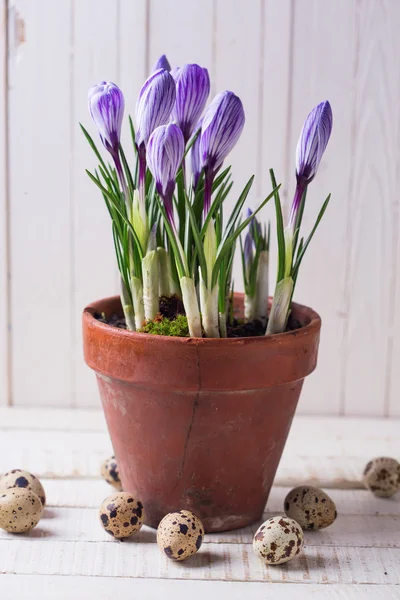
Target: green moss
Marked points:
177	327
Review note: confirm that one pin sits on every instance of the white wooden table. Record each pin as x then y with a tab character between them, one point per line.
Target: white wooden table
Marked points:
69	556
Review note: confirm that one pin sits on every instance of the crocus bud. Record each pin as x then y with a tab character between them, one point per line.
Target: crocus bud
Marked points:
165	152
154	105
313	140
192	90
161	63
221	128
106	106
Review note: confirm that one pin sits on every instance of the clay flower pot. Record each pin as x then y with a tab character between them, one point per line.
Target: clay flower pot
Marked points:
199	424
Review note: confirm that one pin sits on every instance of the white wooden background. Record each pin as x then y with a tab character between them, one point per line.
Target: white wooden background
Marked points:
282	57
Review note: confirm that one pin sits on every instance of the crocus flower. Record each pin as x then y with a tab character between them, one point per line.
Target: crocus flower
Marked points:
221	128
154	105
192	90
165	152
161	63
106	106
313	140
312	143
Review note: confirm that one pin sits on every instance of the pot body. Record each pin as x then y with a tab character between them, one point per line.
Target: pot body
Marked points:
199	424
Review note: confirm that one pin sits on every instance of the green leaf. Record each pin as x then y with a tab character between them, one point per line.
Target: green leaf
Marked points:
181	267
93	146
280	230
227	243
302	251
197	240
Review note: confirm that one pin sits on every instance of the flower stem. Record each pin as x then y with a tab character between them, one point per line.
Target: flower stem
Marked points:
127	307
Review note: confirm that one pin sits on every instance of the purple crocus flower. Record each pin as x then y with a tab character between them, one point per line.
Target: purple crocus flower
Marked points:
165	152
161	63
313	140
222	125
311	146
154	106
192	90
106	106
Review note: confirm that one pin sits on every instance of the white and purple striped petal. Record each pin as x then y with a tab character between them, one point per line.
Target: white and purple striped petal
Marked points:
222	125
165	152
313	140
192	90
106	106
154	106
161	63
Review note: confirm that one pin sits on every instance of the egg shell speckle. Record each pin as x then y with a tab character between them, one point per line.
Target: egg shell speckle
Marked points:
110	472
311	507
278	540
180	535
22	479
121	515
20	510
382	476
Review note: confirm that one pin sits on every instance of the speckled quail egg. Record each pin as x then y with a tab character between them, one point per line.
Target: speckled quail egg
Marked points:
382	476
180	535
311	507
22	479
20	510
110	472
121	515
278	540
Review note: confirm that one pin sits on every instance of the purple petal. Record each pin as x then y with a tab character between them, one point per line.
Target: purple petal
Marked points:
165	152
192	90
313	140
154	105
223	123
161	63
106	106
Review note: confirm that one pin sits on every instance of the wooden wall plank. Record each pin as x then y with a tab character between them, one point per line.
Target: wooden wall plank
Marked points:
323	68
373	202
5	396
184	35
39	155
95	57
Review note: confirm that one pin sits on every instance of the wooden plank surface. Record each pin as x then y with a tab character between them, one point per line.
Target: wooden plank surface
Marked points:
101	588
40	201
4	214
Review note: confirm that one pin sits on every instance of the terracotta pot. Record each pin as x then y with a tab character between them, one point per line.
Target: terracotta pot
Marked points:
199	424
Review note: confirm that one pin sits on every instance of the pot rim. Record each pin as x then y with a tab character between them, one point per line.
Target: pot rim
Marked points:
312	327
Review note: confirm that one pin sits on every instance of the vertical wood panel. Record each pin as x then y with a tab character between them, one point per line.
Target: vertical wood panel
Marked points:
4	380
39	154
94	59
182	31
323	68
373	198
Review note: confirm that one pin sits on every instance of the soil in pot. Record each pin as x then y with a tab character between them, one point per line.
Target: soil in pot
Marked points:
171	310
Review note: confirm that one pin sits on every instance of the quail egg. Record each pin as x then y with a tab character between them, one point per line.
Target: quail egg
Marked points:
20	510
110	472
180	535
382	476
23	479
121	515
311	507
278	540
